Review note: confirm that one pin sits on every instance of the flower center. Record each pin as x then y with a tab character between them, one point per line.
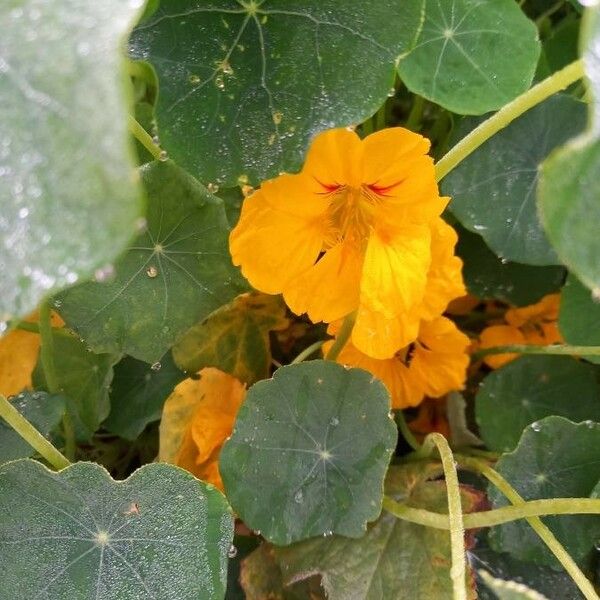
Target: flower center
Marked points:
351	214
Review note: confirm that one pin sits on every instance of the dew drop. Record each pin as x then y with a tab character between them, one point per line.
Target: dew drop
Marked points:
23	212
537	426
298	497
104	273
152	271
163	155
213	188
391	92
220	82
277	117
156	366
194	79
334	422
156	140
232	553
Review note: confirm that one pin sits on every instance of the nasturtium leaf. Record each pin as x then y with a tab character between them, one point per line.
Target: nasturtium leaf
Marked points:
309	451
471	56
569	185
261	579
234	339
44	411
138	392
579	317
83	379
555	458
494	190
531	388
161	533
246	85
394	559
175	273
70	199
510	590
487	276
556	585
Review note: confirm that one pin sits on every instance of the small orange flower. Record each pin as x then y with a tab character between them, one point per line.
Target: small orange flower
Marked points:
358	229
431	417
435	364
535	324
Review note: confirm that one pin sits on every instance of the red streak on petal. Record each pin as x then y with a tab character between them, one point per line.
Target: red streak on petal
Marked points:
328	188
381	190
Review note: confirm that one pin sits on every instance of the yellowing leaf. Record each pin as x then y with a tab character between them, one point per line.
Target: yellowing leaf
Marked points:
234	338
18	355
197	418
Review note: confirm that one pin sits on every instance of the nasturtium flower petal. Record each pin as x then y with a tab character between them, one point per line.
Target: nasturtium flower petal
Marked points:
395	270
444	280
340	267
333	159
440	357
500	335
273	246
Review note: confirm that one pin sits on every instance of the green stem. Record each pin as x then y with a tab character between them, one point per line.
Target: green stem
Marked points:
407	434
307	352
413	120
498	516
538	93
144	138
25	326
31	435
342	337
47	349
553	349
582	582
136	69
455	517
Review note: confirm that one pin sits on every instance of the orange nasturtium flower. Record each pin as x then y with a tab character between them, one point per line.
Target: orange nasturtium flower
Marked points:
435	364
359	228
535	324
197	419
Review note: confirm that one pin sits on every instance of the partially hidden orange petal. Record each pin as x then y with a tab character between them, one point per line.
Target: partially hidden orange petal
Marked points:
500	335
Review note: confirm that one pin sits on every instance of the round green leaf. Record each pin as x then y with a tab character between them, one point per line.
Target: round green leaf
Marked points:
44	411
309	452
494	190
569	185
69	197
531	388
175	273
246	85
83	378
159	534
472	56
579	317
138	392
555	458
488	276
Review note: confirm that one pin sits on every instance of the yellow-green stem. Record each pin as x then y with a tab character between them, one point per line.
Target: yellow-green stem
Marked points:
455	515
407	434
553	349
342	337
498	516
47	349
31	435
307	352
144	138
582	582
538	93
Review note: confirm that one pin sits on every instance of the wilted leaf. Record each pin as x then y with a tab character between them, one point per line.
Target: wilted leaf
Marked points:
234	339
197	418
